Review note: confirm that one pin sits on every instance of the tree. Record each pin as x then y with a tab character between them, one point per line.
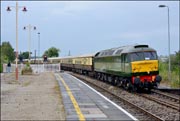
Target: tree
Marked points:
24	55
178	57
52	52
7	52
175	60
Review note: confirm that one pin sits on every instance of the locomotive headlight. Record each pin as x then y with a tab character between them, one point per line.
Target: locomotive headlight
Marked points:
155	68
134	69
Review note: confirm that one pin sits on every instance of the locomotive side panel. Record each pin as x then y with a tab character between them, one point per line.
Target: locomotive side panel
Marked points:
114	65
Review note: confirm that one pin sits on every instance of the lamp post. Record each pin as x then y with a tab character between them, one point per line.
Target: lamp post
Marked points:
38	48
169	70
24	10
30	27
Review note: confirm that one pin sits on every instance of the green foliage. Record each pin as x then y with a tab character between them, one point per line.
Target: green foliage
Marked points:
1	68
52	52
175	80
175	61
7	52
27	69
27	64
24	55
163	71
175	72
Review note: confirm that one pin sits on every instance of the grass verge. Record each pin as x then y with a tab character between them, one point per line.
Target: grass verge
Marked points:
163	71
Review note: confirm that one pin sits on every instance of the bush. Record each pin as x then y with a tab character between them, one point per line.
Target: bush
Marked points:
27	69
175	82
1	68
163	71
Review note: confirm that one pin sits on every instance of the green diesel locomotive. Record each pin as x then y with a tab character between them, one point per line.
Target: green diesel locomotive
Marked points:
133	67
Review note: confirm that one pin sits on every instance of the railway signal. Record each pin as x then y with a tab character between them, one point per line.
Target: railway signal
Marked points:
45	58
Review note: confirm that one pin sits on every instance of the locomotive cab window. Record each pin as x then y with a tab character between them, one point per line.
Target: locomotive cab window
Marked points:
125	58
138	56
150	55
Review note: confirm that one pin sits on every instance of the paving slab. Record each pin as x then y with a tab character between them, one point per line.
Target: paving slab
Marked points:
90	104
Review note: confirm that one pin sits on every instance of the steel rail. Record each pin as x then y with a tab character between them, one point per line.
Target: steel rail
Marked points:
123	99
167	95
170	90
162	102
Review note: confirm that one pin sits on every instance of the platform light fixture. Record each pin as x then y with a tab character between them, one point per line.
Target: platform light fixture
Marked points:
169	69
29	27
24	10
38	49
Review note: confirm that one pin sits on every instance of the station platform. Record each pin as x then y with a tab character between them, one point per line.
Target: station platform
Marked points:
82	102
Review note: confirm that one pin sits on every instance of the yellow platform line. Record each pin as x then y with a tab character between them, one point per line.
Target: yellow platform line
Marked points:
75	104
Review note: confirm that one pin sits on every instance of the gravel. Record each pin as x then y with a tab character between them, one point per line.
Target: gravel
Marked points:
33	97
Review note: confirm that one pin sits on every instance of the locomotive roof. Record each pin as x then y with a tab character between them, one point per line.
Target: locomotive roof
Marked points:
124	49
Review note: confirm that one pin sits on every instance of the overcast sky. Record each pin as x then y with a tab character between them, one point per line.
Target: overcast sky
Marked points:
87	27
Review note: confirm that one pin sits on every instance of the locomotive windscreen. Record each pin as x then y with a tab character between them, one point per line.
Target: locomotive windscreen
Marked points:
137	56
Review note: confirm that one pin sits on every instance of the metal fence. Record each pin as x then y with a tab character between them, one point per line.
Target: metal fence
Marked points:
35	67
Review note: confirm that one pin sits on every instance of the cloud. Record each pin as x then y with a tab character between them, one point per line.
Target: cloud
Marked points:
73	8
132	35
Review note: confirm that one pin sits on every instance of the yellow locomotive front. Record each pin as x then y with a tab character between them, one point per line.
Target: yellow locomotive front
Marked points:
145	69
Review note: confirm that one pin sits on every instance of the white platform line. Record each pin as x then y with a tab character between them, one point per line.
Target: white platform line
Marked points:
120	108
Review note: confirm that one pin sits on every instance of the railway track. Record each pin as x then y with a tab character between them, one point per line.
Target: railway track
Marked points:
170	100
163	101
163	98
170	91
141	107
139	112
171	96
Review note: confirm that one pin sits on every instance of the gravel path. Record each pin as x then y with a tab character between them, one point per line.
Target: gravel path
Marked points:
34	97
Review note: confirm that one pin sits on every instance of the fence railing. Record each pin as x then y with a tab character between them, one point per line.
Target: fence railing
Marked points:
35	67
